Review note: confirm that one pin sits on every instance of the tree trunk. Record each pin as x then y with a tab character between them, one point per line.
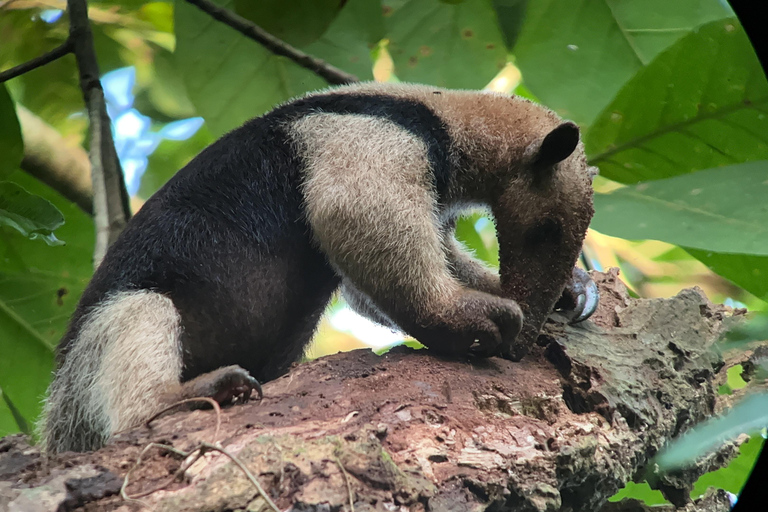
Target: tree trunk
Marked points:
563	429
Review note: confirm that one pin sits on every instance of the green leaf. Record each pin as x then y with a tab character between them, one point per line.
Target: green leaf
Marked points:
449	44
229	77
719	210
733	477
745	270
297	22
749	415
39	288
511	15
348	42
30	215
575	55
702	103
481	242
11	146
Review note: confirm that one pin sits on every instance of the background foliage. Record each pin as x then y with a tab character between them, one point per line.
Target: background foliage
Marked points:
669	94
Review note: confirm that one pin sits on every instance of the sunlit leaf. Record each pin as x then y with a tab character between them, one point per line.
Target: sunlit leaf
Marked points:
575	55
702	103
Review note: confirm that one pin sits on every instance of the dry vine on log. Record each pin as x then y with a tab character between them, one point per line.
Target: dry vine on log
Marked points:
562	430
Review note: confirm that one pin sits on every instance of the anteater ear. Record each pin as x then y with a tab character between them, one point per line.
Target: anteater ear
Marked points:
556	146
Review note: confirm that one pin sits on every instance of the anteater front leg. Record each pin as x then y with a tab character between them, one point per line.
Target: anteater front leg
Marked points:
371	205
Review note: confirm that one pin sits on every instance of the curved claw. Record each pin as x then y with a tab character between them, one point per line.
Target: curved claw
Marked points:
580	297
588	302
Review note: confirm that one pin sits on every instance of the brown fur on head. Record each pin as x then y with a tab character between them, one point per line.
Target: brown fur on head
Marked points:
539	246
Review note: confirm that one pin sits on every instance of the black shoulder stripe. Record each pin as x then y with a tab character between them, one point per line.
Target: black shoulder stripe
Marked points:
411	115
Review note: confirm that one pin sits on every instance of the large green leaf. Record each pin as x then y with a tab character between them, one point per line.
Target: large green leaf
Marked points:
297	22
11	146
348	41
575	55
702	103
39	288
719	210
447	43
30	215
231	79
745	270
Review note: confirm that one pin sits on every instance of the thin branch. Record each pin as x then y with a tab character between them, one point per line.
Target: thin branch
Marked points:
331	74
57	53
110	199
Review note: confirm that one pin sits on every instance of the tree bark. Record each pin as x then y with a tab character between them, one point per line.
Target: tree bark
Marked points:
563	429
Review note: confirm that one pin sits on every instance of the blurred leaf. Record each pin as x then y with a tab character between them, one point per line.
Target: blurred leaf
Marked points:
732	477
745	270
511	14
52	91
749	415
164	97
575	55
719	210
353	35
169	157
297	22
639	491
159	14
449	44
467	234
11	146
700	104
230	78
30	215
754	329
39	288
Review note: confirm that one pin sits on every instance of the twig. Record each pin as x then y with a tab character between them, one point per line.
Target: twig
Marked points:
349	487
57	53
331	74
208	446
211	401
110	199
135	498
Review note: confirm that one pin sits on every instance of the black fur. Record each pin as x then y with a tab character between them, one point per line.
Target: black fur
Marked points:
227	241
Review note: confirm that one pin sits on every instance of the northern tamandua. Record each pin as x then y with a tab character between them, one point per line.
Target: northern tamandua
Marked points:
221	277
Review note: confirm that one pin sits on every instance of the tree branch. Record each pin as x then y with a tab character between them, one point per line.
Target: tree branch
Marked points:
110	199
42	60
49	158
331	74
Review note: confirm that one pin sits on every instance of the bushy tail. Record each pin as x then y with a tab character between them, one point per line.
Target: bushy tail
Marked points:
125	356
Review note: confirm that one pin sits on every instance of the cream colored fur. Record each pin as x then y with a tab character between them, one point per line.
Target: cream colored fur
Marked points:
127	355
370	202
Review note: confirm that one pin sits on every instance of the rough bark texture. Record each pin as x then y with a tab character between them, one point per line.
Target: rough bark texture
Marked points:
563	429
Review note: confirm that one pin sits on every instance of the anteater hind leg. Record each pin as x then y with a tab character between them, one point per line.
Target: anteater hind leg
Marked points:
123	366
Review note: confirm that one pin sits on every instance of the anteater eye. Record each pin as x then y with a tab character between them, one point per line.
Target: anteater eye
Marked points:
546	231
